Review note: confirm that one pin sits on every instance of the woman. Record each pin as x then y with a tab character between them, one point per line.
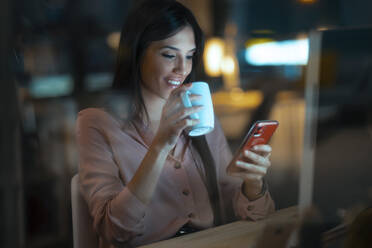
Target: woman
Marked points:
143	178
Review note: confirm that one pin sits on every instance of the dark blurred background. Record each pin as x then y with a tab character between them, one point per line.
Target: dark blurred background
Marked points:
58	56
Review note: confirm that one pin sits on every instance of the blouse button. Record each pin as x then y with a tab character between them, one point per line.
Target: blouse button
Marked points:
250	207
186	192
177	165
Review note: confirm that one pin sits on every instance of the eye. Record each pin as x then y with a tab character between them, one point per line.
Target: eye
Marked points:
168	56
189	57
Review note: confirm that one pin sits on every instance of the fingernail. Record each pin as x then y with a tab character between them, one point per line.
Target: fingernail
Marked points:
238	162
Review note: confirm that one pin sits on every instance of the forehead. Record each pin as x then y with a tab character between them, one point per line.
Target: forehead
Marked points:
183	40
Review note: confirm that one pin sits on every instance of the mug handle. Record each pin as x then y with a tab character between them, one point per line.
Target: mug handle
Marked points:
187	103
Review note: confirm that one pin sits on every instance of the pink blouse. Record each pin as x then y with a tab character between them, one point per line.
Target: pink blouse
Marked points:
110	152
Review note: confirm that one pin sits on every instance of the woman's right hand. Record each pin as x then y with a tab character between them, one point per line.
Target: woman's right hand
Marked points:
175	117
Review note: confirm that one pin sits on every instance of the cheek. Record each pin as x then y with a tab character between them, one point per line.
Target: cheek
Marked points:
150	70
189	68
160	67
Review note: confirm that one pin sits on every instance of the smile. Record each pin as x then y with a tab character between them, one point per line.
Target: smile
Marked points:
172	82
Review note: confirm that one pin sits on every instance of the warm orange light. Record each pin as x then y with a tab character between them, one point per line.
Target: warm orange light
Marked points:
302	36
113	40
307	1
228	65
256	41
237	98
213	56
263	31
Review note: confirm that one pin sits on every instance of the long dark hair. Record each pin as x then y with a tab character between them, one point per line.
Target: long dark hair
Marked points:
151	20
154	20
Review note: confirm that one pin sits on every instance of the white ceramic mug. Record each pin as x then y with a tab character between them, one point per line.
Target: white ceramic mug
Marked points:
205	115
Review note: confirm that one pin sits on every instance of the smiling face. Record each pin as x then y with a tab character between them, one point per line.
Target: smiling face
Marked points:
166	64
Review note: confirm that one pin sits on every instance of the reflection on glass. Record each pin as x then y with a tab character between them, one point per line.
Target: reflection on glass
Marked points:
341	141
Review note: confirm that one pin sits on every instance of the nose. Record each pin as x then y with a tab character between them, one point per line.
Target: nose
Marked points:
181	66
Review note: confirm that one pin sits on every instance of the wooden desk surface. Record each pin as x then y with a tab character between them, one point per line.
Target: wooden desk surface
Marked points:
235	235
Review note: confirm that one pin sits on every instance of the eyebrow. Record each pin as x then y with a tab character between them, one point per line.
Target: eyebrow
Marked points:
176	49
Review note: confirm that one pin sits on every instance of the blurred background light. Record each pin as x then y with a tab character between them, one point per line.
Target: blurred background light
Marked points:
228	65
213	56
98	81
290	52
256	41
323	28
51	86
113	40
237	98
307	1
263	31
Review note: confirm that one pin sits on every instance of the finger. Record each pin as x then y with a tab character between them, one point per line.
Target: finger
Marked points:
176	93
182	88
195	97
264	154
185	112
263	150
186	122
246	176
176	103
257	158
251	168
174	99
178	127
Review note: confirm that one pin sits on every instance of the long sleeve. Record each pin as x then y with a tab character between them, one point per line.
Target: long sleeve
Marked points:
110	154
117	214
234	203
253	210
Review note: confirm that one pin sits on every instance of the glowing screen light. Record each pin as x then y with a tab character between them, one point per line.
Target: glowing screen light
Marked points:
290	52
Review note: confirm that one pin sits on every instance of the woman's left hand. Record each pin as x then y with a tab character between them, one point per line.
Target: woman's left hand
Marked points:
251	166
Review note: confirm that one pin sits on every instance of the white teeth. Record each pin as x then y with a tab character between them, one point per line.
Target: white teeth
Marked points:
174	82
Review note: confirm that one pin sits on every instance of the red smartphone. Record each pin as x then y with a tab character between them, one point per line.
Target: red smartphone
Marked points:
259	134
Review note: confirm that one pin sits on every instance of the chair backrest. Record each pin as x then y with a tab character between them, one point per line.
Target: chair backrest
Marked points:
82	224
